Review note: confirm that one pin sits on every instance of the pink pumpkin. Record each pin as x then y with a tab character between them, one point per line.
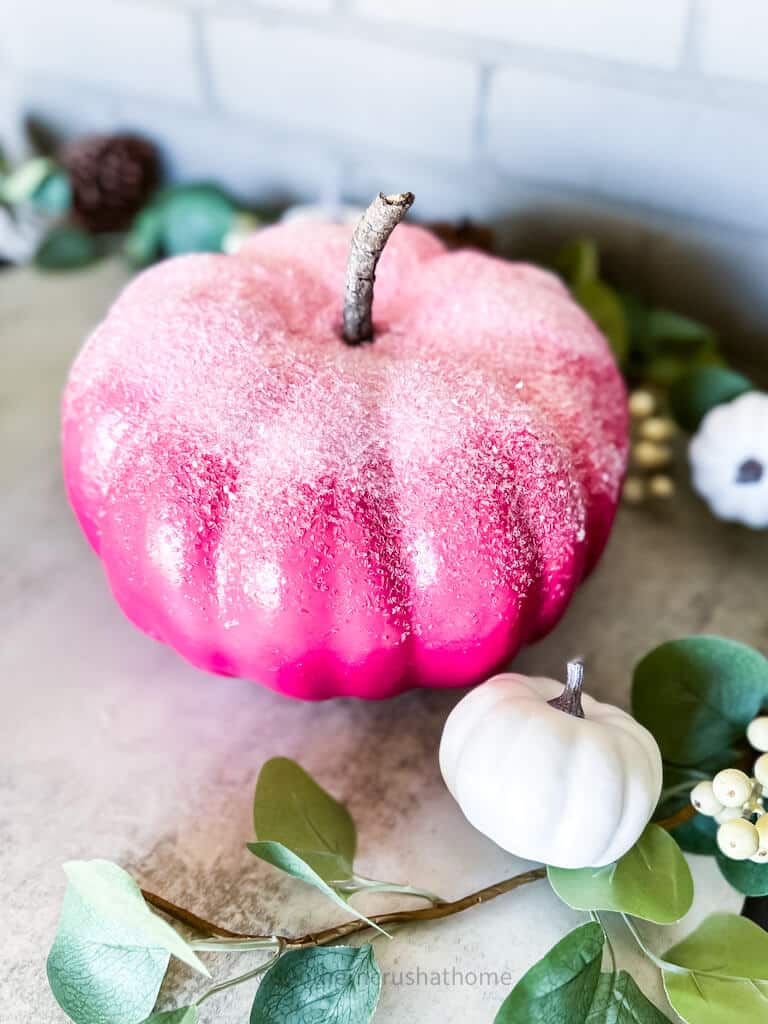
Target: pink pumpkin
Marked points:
328	519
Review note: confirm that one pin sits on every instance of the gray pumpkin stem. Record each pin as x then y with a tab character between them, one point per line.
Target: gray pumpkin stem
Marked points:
570	699
371	234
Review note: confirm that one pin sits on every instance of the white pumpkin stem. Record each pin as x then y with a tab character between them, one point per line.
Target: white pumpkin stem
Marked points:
371	234
570	699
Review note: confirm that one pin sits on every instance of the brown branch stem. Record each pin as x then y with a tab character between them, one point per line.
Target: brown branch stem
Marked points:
340	931
371	234
346	928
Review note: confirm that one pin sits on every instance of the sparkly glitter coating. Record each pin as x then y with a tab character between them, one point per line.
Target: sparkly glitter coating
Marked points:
333	520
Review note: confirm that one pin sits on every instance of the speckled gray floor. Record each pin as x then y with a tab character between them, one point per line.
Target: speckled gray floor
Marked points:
111	746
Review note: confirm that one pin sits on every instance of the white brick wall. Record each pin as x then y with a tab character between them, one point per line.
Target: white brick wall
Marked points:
650	32
135	47
643	123
644	148
344	88
734	38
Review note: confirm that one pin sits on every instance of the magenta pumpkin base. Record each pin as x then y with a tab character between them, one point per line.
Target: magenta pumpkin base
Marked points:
330	520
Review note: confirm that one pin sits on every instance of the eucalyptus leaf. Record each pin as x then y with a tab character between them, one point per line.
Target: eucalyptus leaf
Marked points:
700	390
290	808
745	875
561	986
196	218
725	980
324	985
618	1000
100	970
677	333
665	369
21	184
603	305
697	835
281	857
697	695
143	242
185	1015
578	261
66	248
652	881
111	891
54	194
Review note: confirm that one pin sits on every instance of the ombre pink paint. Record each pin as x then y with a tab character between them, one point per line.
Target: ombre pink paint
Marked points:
332	520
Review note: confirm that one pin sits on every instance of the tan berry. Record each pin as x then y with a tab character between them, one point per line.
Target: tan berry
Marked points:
661	486
641	404
658	428
649	455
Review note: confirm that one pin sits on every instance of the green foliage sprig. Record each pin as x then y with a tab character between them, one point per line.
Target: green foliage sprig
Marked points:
697	694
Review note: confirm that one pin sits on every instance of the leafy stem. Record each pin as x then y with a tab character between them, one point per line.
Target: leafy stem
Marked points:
227	941
359	883
238	979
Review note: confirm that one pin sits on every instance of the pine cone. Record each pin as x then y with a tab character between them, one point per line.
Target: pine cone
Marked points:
112	176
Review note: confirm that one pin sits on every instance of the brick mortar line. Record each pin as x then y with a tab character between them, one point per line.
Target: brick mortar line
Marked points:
347	154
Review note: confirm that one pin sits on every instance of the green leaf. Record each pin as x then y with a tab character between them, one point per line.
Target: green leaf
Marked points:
66	248
143	243
652	881
111	891
677	334
727	983
695	393
54	195
281	857
290	808
196	218
618	1000
697	695
603	305
110	952
697	835
186	1015
666	369
324	985
561	986
744	875
21	184
578	261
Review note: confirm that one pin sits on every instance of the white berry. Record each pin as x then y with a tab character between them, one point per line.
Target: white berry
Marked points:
738	839
732	787
761	856
757	732
761	770
704	800
727	814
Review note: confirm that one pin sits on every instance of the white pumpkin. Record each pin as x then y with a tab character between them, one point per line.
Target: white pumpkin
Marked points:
549	774
729	460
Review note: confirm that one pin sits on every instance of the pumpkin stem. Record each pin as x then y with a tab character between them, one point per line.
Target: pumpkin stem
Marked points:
371	234
570	699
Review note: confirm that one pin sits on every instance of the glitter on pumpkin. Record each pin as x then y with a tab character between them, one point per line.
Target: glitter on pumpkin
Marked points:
345	520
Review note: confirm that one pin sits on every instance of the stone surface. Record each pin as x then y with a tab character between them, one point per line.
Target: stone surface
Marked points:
111	746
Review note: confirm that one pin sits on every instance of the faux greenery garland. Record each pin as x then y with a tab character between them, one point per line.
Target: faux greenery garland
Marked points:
697	695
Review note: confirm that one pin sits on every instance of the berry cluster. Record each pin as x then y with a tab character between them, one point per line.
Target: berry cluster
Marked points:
651	453
735	801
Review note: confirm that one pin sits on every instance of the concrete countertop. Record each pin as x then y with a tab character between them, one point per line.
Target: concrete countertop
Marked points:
112	746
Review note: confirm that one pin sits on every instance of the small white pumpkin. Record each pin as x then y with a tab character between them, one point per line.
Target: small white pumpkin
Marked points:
549	774
729	460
